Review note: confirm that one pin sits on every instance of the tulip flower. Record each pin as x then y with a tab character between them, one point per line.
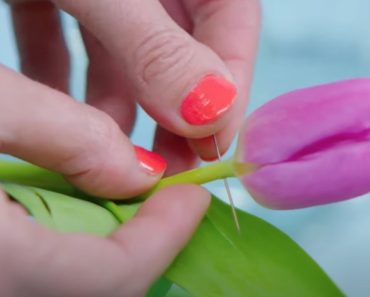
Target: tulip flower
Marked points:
309	147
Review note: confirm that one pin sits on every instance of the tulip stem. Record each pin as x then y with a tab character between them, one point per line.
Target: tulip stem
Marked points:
31	175
199	176
34	176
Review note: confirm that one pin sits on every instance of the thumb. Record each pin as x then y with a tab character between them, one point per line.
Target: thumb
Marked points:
181	83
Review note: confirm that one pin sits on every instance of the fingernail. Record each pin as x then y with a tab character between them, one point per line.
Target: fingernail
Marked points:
209	159
208	100
205	148
151	162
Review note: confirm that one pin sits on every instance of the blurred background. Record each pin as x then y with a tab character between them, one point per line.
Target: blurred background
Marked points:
303	42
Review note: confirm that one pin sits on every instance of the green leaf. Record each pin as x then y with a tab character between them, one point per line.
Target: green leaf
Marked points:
62	212
261	261
176	291
75	215
160	288
30	201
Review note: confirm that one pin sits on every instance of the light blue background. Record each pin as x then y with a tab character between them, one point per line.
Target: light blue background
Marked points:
303	42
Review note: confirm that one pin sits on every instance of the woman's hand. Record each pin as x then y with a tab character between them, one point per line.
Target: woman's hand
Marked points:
48	128
182	61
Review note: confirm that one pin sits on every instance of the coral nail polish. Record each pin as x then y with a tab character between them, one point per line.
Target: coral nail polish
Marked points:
208	100
151	162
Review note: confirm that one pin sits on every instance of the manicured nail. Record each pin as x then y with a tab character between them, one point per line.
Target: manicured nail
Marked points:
151	162
209	159
211	154
208	100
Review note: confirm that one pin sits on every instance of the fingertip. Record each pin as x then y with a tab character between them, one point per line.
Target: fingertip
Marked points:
152	163
208	147
208	100
123	175
201	196
182	204
197	196
209	105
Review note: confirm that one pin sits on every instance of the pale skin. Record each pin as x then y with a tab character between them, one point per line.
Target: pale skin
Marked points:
130	44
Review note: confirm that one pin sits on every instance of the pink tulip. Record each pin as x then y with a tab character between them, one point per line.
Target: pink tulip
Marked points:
310	146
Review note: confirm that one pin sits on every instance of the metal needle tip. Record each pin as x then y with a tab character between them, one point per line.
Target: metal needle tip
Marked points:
227	187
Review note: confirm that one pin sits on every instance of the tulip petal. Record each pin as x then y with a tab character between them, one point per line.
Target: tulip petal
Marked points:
326	177
311	146
296	120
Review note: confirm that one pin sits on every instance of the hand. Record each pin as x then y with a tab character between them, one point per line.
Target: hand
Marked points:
148	57
46	127
156	53
37	262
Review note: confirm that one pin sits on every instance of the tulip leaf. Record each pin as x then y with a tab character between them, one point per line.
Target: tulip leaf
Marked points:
261	261
62	212
160	288
176	291
77	215
30	201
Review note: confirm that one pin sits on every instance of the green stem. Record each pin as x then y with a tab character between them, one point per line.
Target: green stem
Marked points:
199	176
31	175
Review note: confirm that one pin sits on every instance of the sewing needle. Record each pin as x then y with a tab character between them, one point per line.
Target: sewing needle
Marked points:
227	188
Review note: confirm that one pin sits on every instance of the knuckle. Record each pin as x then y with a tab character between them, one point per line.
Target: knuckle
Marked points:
102	127
163	54
101	133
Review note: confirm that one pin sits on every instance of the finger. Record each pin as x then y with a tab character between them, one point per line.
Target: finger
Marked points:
181	83
125	264
206	147
214	21
231	29
43	52
46	127
176	11
106	88
172	215
175	150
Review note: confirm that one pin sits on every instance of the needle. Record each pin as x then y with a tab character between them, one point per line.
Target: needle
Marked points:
227	188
